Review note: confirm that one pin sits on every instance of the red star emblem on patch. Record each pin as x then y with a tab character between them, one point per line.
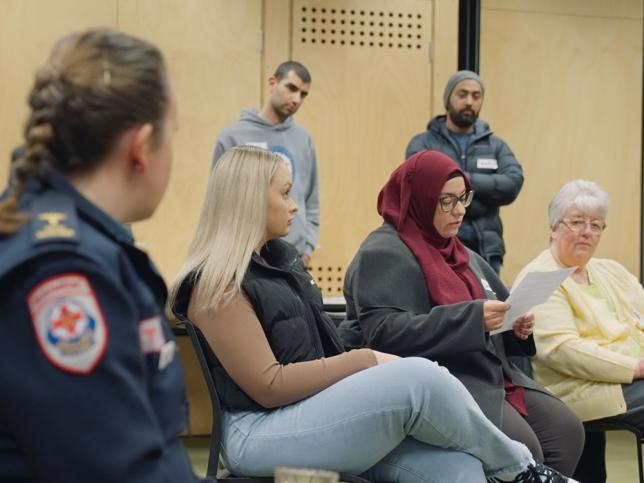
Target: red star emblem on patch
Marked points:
67	320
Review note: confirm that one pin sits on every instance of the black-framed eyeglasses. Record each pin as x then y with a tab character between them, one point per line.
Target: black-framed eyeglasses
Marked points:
449	201
595	226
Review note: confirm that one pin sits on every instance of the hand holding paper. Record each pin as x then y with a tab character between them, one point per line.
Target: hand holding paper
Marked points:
523	326
536	288
493	314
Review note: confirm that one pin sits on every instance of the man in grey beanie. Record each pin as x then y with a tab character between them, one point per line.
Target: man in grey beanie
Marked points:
495	174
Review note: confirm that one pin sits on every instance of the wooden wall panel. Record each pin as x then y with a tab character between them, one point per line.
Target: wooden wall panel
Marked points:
213	51
277	26
596	8
564	89
444	50
371	92
28	30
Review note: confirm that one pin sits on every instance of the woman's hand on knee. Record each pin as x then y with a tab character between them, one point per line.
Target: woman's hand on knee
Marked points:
383	357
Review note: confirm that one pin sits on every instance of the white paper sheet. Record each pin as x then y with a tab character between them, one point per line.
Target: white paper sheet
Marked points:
536	288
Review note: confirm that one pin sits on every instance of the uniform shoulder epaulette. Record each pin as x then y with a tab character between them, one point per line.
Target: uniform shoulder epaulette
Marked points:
53	218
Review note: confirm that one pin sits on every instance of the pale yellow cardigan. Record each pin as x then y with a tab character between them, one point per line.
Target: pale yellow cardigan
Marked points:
584	353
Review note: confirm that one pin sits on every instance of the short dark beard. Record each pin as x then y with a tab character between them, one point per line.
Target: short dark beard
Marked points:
460	120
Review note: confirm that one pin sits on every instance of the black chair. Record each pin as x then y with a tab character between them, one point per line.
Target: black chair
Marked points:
200	345
593	459
601	426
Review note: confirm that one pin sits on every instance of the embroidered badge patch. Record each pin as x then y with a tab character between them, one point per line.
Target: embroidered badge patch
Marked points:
151	335
153	341
69	323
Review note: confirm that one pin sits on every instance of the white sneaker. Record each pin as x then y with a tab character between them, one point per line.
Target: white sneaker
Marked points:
536	473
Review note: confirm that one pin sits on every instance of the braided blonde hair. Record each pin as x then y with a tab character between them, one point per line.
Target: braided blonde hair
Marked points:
96	85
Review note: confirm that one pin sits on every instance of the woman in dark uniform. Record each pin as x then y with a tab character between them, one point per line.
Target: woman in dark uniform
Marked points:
92	387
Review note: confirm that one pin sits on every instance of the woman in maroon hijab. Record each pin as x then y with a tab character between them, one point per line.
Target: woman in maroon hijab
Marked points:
414	289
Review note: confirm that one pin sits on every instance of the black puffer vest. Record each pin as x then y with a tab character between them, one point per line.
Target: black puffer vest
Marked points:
288	304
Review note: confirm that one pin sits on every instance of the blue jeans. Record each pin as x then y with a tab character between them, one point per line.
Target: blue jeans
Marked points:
404	421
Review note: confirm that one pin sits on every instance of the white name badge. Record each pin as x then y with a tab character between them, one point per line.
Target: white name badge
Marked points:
486	285
487	163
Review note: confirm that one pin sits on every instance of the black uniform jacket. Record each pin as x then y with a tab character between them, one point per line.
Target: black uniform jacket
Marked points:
92	389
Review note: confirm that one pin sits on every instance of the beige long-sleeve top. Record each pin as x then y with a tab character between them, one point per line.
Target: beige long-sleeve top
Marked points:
585	350
236	337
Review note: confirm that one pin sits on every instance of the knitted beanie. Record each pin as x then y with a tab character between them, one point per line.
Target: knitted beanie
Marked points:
458	77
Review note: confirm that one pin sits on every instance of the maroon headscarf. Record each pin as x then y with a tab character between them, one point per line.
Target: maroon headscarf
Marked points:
408	201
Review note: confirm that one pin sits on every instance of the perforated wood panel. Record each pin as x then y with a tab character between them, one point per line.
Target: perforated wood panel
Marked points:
329	279
375	28
370	93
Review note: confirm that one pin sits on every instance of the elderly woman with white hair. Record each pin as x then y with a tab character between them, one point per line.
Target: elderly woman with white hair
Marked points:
589	337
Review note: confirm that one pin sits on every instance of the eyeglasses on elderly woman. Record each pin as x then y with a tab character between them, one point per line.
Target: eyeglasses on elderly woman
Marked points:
596	226
449	201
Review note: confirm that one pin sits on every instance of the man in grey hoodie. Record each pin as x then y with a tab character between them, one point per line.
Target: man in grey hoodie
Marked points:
272	127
